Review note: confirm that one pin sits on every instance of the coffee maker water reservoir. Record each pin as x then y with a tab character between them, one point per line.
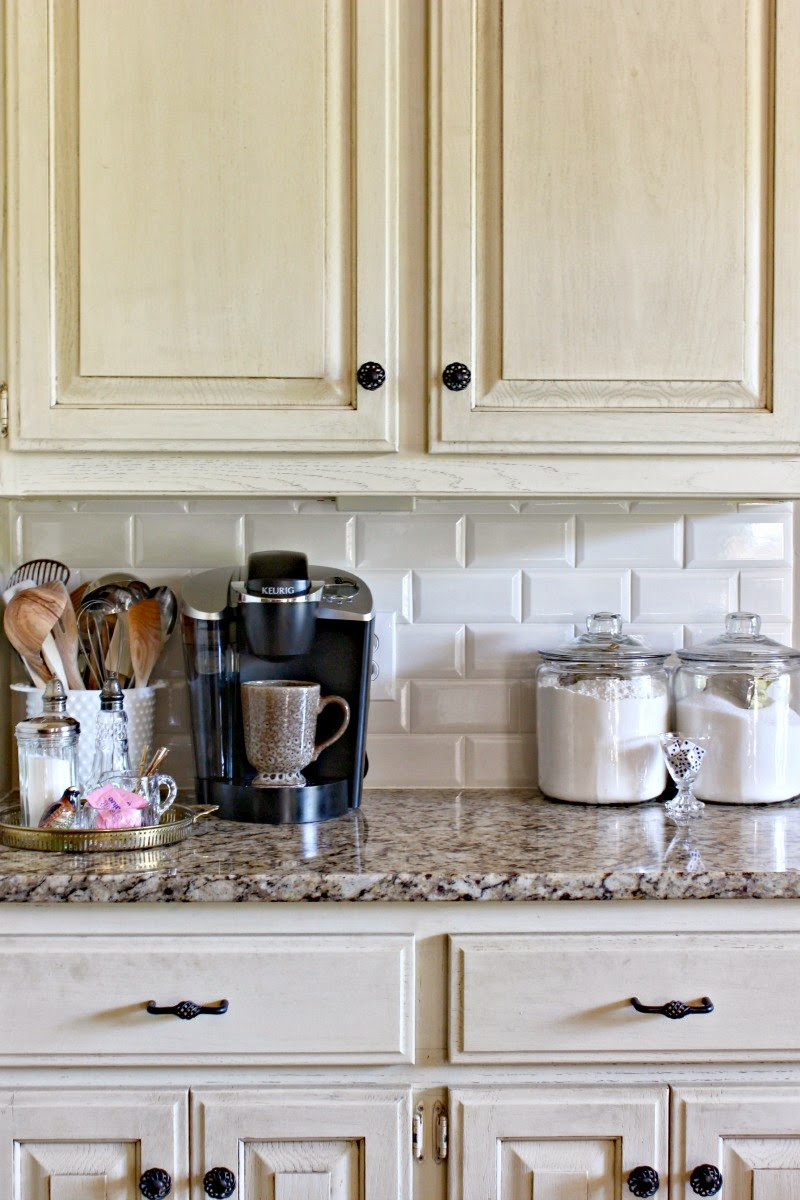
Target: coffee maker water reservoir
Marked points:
276	619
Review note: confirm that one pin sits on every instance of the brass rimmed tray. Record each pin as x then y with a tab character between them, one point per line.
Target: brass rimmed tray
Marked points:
173	827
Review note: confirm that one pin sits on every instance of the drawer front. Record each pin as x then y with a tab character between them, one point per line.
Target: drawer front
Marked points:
540	997
304	999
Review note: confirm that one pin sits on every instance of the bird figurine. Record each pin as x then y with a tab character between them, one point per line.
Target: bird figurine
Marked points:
62	814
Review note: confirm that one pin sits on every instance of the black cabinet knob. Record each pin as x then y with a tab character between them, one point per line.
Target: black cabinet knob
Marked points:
705	1180
371	376
155	1184
456	376
643	1181
219	1182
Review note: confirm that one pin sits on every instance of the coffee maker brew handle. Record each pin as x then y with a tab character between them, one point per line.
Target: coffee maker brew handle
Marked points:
324	701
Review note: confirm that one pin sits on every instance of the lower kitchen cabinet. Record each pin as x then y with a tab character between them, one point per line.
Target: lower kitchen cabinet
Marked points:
92	1144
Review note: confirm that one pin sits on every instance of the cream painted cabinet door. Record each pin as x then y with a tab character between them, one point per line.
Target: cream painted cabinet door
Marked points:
750	1135
555	1143
615	245
305	1144
202	224
86	1144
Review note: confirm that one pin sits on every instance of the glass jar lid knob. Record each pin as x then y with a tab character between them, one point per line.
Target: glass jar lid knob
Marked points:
605	623
742	625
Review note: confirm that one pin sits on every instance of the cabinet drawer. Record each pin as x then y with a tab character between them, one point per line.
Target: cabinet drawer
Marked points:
304	999
560	997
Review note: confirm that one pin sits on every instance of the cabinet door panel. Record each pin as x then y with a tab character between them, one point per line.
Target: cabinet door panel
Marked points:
554	1143
82	1144
751	1134
610	230
195	217
305	1144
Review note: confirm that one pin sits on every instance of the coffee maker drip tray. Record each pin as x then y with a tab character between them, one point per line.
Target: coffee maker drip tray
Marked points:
276	805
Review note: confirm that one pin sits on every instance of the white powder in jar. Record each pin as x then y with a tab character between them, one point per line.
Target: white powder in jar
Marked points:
598	738
754	753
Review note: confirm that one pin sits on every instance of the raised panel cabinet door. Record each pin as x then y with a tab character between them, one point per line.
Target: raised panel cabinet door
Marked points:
555	1143
749	1134
202	224
614	238
92	1144
304	1143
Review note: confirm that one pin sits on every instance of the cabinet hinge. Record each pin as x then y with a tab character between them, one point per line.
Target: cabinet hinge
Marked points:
440	1132
4	410
418	1133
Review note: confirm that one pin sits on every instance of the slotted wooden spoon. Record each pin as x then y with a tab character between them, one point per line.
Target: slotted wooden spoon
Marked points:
144	638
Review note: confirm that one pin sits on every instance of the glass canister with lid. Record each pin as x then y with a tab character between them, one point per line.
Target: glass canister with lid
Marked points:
742	690
602	701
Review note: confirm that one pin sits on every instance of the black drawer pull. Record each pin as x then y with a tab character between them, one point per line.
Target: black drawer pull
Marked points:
643	1181
705	1180
155	1184
674	1009
187	1010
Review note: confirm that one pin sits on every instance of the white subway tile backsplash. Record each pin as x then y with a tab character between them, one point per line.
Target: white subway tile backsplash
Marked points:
498	541
500	761
324	538
77	539
408	540
472	595
768	593
193	540
441	707
415	760
477	587
629	541
510	651
430	651
683	595
573	595
738	539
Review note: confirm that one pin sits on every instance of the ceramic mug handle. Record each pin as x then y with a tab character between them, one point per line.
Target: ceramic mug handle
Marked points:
160	803
324	702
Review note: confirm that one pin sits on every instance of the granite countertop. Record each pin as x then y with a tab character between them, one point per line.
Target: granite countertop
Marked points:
442	845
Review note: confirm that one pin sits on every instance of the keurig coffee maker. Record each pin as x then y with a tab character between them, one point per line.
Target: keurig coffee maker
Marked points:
277	619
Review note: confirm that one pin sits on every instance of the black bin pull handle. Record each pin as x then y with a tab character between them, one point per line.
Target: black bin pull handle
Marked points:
674	1009
187	1010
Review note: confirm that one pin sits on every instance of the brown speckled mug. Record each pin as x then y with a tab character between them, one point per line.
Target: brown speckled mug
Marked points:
280	724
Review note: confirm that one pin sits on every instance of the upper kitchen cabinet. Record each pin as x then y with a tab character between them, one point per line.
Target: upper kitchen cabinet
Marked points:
202	224
614	238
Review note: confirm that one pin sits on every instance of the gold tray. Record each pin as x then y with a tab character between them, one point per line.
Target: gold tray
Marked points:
173	827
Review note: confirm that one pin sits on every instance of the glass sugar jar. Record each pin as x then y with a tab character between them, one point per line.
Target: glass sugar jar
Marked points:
741	689
47	747
602	700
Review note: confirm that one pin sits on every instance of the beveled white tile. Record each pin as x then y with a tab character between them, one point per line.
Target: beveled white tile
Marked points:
472	596
526	706
502	761
573	595
325	539
439	707
665	638
242	505
391	716
464	506
192	540
391	592
517	540
77	539
578	505
683	596
629	541
414	760
132	504
678	507
510	651
430	651
768	593
739	540
408	540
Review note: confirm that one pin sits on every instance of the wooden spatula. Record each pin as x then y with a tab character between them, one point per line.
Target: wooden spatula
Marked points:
144	637
65	631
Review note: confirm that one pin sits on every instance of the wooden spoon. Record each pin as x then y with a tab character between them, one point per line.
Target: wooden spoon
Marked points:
144	636
29	621
65	631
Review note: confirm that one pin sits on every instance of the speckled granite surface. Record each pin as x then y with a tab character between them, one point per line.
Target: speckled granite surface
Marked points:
426	845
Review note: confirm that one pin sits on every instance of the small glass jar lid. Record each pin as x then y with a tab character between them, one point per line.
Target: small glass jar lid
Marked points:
53	722
742	644
604	644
